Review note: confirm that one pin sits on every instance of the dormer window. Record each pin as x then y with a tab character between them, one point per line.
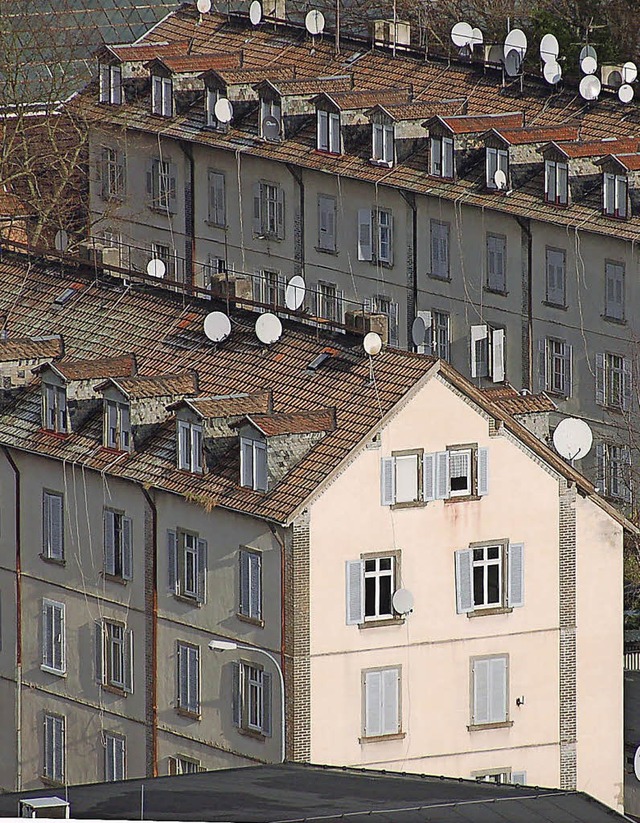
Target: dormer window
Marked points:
110	84
161	95
270	110
253	464
383	146
497	160
442	157
117	426
615	191
328	131
190	446
54	408
556	182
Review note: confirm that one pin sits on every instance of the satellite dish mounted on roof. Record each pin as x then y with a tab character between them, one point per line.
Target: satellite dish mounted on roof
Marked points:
636	763
420	329
462	34
590	87
204	6
572	438
588	51
223	110
625	93
629	72
500	179
512	62
255	12
549	49
314	22
270	127
156	268
477	37
589	64
372	343
217	326
516	39
552	72
268	328
294	293
402	602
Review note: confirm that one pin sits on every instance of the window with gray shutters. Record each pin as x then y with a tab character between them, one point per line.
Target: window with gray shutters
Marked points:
217	202
53	637
401	478
489	577
614	471
441	157
489	690
555	366
110	84
370	586
326	223
496	262
556	182
54	748
250	589
187	556
118	535
161	95
615	195
614	290
52	526
115	749
114	656
457	472
253	464
439	249
54	408
496	160
614	384
268	211
161	184
188	678
556	276
441	334
189	446
328	131
252	698
381	702
117	425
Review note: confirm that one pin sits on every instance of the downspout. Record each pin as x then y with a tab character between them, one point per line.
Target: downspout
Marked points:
299	246
283	619
525	226
410	200
154	632
189	216
18	707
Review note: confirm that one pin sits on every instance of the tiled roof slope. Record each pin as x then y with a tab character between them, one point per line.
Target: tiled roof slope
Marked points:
515	403
295	422
239	404
30	348
142	388
89	368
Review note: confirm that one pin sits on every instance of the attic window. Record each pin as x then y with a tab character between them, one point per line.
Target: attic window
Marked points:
270	109
110	84
442	157
253	464
161	95
556	182
189	450
496	160
383	144
54	408
614	200
117	426
328	126
211	97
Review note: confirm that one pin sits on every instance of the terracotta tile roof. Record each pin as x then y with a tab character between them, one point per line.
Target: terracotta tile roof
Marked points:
119	366
629	161
30	348
598	148
231	405
140	388
313	85
193	63
520	137
148	51
419	110
474	124
366	98
515	403
233	77
321	420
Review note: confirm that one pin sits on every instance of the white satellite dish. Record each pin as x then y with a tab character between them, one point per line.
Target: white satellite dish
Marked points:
572	438
477	38
61	240
589	64
270	128
217	326
204	6
512	62
402	601
588	51
636	763
295	292
372	343
314	22
500	179
420	330
516	39
629	72
223	110
461	34
552	72
549	48
156	268
255	12
268	328
625	93
590	87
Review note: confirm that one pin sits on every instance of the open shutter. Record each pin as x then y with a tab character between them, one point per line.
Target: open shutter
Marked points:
128	661
600	379
355	591
550	180
99	651
116	85
563	183
601	476
257	209
183	676
627	384
127	559
478	333
365	232
105	82
194	680
464	580
245	593
447	157
246	462
497	690
236	694
428	476
202	571
260	458
172	560
156	94
387	481
323	130
149	175
480	692
568	368
515	594
255	568
497	355
373	704
442	475
267	701
109	542
58	749
390	701
483	471
280	213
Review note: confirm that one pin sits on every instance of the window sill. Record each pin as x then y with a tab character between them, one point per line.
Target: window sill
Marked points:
505	724
385	164
107	687
415	504
463	498
213	225
49	781
114	450
617	320
383	621
54	433
501	292
115	578
188	598
268	237
253	621
51	670
56	561
327	153
326	251
560	306
161	209
446	278
382	738
187	713
254	733
559	394
487	612
613	409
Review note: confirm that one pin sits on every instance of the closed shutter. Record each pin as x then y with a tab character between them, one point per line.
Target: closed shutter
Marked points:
326	223
497	355
245	583
600	379
53	527
217	198
260	458
255	568
257	209
387	481
464	581
246	462
428	476
390	701
555	277
496	263
406	490
614	302
127	550
236	694
442	475
481	713
172	561
373	704
109	542
202	571
515	593
267	704
627	384
99	638
542	364
193	704
497	690
439	249
354	591
483	471
365	234
280	213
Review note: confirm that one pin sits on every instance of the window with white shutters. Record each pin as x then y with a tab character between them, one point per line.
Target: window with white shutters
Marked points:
114	655
188	678
401	478
459	472
615	195
381	702
382	144
487	352
54	767
556	276
110	84
118	550
614	290
253	464
252	698
489	690
161	96
217	199
189	446
250	588
439	249
496	160
52	526
441	157
556	182
115	763
489	577
53	637
370	586
117	425
326	223
328	131
496	263
54	408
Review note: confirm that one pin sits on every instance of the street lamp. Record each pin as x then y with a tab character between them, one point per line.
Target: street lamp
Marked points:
231	645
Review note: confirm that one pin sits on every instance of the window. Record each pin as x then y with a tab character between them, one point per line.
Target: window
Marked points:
401	478
184	765
187	555
614	471
252	698
269	288
556	277
253	464
460	471
555	366
501	776
496	262
381	703
489	577
268	211
159	251
117	426
385	236
118	531
190	446
161	185
489	687
161	96
210	99
442	157
383	144
375	225
328	125
613	381
188	678
52	526
381	304
250	589
54	748
496	160
114	757
615	195
614	291
217	205
441	334
113	173
439	249
114	655
370	585
326	223
270	109
53	637
54	408
110	84
487	352
330	302
556	182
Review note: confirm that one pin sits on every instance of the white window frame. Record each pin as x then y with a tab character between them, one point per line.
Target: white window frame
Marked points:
188	678
118	545
115	757
441	157
250	473
190	446
52	525
615	194
328	132
489	691
54	408
252	698
181	764
117	425
54	644
496	159
110	84
54	748
384	226
113	173
250	584
614	471
382	144
187	557
398	467
114	656
441	329
161	96
556	182
461	455
381	703
372	579
468	568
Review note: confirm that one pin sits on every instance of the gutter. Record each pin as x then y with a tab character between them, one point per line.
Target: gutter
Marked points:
154	632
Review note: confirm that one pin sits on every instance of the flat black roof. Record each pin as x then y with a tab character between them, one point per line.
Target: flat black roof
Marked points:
297	792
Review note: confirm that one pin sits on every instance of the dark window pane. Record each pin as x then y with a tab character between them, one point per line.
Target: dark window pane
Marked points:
459	484
370	596
493	553
369	565
478	586
493	584
385	595
385	563
478	554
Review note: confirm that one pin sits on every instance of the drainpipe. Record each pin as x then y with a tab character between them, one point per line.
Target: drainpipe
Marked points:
299	246
283	627
18	707
189	217
154	632
525	225
410	199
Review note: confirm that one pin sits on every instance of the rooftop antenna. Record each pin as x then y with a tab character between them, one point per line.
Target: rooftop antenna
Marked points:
255	12
217	326
572	439
268	328
337	26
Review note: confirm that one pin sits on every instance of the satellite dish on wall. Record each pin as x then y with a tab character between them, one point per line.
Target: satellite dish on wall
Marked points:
420	330
625	93
549	48
403	601
314	22
516	39
461	35
295	292
589	64
477	38
512	63
223	110
500	179
217	326
552	72
629	72
572	438
590	87
255	12
372	343
61	240
156	268
636	763
204	6
270	128
268	328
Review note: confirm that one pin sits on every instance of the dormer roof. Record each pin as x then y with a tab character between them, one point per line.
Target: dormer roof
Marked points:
417	110
302	422
249	77
513	402
30	348
626	162
198	63
230	405
69	370
145	387
535	134
144	52
365	98
477	123
593	148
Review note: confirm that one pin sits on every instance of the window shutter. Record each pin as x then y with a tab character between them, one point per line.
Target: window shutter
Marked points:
390	701
447	157
280	213
387	481
322	125
128	661
267	701
58	749
483	471
109	542
47	634
497	689
515	594
550	180
255	566
478	333
127	559
172	765
377	146
600	460
156	94
219	204
442	475
621	196
99	650
172	559
519	778
119	758
406	490
245	593
183	676
563	183
365	235
390	219
373	704
334	133
497	355
626	479
184	444
480	692
257	209
627	384
193	704
355	591
568	361
600	379
236	694
202	571
260	457
105	84
542	364
246	462
57	536
428	476
491	166
116	85
59	651
609	193
464	581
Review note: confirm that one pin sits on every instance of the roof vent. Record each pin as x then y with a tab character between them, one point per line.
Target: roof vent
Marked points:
49	807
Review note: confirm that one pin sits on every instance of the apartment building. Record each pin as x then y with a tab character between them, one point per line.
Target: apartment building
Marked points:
160	491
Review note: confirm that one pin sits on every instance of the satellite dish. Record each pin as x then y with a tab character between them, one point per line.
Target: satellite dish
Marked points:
270	128
223	110
625	93
402	601
477	38
419	330
614	80
61	240
589	64
590	87
588	51
552	72
500	179
156	268
314	22
461	34
295	292
372	343
217	326
268	328
629	72
636	763
204	6
572	438
512	62
255	12
549	48
516	39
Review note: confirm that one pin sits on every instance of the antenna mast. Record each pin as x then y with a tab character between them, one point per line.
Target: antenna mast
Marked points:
337	26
